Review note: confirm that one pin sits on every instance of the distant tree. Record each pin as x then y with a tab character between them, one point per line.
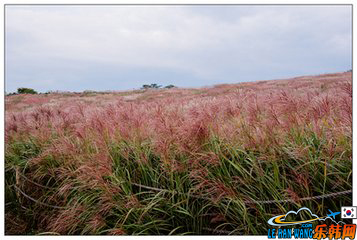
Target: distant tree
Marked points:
145	86
153	85
26	91
170	86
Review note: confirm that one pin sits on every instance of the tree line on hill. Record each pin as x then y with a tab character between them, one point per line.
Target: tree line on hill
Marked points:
24	90
156	86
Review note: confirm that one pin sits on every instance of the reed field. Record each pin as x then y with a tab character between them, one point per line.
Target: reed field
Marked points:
216	160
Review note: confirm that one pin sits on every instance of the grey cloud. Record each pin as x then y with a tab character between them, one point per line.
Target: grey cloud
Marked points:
205	44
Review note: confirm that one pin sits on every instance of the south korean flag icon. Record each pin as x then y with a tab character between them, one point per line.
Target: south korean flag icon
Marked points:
348	212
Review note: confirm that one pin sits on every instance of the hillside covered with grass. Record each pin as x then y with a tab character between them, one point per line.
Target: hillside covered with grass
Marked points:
177	161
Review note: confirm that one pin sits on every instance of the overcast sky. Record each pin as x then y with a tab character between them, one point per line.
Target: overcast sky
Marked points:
79	48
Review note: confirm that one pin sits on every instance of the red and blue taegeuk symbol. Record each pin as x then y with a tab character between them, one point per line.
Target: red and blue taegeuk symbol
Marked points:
348	212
